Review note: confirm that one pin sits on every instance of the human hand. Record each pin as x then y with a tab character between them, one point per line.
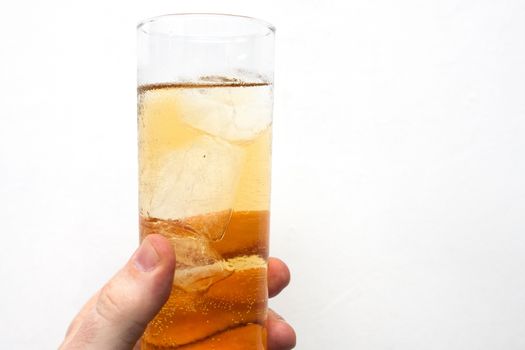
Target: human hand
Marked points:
116	316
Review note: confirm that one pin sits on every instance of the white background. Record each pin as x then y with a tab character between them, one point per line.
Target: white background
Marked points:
399	166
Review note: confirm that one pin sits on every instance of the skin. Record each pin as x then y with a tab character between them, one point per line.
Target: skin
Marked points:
116	316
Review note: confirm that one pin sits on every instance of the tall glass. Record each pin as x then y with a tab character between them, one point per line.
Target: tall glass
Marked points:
204	120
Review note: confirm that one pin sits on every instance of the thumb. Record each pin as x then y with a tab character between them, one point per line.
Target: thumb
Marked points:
119	313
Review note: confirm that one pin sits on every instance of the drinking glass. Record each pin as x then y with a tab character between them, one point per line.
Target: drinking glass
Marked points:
205	96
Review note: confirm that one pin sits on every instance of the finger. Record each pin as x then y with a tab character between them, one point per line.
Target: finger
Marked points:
278	276
129	300
79	318
281	335
137	345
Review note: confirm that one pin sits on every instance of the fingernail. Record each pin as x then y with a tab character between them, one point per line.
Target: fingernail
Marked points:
146	257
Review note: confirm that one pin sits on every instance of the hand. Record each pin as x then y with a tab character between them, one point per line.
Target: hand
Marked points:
116	316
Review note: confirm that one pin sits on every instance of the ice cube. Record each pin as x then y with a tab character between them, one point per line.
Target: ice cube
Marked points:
238	113
193	251
198	264
252	269
196	180
200	278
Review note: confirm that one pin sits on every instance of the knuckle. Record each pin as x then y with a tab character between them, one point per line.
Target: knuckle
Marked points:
111	308
108	306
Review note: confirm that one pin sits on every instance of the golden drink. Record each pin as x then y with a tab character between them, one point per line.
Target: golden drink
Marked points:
205	151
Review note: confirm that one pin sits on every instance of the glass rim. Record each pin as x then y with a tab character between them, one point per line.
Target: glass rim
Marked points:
268	28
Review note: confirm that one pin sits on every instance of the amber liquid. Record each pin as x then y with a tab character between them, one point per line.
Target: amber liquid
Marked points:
230	313
205	185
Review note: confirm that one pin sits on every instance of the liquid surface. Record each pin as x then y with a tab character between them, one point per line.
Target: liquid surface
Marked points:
204	184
